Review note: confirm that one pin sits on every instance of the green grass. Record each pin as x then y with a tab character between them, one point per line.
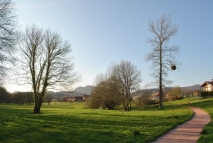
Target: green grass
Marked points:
207	133
65	122
185	101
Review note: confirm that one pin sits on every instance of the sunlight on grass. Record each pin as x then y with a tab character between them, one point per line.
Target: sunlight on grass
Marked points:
70	122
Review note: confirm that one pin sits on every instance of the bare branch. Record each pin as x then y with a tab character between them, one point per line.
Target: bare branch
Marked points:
8	36
47	62
162	55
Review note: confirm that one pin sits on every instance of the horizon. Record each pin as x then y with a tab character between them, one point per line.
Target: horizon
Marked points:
55	91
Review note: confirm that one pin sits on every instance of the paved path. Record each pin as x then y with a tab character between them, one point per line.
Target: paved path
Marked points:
188	132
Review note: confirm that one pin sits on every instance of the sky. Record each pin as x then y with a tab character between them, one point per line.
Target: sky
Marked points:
106	31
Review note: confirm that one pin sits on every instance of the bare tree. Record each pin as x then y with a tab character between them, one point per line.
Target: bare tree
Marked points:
129	78
115	86
162	55
46	62
175	93
7	36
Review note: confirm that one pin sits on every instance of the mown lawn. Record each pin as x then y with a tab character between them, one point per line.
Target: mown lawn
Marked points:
65	122
206	105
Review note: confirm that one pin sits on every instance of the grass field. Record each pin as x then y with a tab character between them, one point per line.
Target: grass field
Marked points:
65	122
206	105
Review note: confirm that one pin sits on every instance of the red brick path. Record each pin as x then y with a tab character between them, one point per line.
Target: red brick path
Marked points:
188	132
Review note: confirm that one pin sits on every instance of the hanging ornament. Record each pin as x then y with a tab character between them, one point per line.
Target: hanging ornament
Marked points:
173	67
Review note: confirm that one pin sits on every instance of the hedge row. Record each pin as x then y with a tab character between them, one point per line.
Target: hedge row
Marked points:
205	93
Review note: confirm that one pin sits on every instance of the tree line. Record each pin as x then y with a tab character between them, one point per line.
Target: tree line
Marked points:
20	97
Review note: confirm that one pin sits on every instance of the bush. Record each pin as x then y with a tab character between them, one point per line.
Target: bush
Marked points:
205	94
175	93
106	94
142	101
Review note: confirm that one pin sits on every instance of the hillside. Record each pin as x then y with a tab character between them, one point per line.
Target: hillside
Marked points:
152	90
84	90
80	91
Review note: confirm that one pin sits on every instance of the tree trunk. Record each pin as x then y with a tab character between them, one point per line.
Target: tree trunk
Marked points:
160	80
126	105
37	106
36	110
130	100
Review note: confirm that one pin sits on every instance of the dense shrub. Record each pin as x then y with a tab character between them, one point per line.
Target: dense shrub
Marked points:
142	101
107	94
206	94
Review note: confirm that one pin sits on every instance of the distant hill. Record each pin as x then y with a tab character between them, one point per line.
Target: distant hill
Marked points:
58	95
193	87
80	91
84	90
152	90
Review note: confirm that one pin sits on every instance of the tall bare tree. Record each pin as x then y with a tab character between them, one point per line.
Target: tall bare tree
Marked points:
7	36
129	78
47	63
162	55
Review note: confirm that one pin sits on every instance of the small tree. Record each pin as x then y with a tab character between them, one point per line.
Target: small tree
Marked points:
162	55
142	101
46	63
129	79
106	94
118	82
175	93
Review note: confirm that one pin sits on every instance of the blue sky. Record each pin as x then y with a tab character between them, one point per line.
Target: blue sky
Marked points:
106	31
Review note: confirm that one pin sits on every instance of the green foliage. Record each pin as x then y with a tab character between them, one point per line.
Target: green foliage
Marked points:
206	94
142	101
69	122
204	131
